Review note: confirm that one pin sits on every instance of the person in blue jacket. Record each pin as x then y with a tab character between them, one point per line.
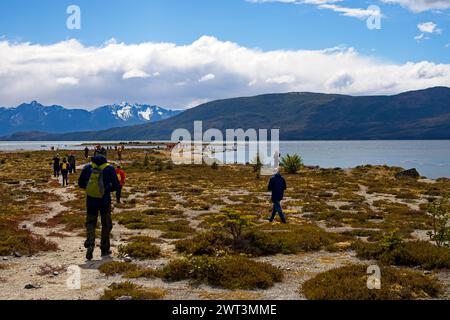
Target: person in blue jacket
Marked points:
101	205
277	185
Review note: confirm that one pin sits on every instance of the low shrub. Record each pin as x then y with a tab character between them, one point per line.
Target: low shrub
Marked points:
350	283
412	254
285	239
13	239
127	270
204	244
117	268
230	272
141	248
129	289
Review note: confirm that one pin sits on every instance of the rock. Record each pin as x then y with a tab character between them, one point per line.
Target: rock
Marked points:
127	259
343	245
427	272
24	226
17	254
56	273
125	298
5	258
411	173
31	286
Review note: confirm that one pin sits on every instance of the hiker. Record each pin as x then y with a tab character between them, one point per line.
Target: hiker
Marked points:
100	150
119	153
65	168
86	153
72	162
56	168
99	179
277	185
121	176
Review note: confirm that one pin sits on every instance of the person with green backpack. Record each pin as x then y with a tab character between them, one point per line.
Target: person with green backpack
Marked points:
99	179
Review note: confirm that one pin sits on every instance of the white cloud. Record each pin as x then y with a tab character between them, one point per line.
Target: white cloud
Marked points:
207	77
286	79
68	81
421	5
75	75
135	74
359	13
352	12
429	27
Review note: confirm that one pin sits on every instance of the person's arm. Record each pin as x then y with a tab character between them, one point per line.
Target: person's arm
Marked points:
84	177
113	180
284	184
124	176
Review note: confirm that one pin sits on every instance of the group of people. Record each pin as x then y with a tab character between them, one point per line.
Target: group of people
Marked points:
100	179
64	167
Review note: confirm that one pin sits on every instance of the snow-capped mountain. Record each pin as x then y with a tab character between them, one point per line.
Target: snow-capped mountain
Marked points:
36	117
129	112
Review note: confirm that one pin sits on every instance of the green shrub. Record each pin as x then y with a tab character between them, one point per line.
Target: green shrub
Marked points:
127	270
233	222
129	289
350	283
204	244
13	239
291	164
230	272
285	239
439	210
115	268
412	254
141	248
290	239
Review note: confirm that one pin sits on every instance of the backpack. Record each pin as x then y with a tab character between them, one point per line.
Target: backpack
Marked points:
64	166
95	187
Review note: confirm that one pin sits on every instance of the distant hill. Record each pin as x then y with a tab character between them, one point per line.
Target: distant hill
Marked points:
53	119
423	114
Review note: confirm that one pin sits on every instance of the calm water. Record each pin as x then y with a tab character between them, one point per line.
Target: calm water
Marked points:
431	158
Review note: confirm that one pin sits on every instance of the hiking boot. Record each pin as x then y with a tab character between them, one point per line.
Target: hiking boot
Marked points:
90	253
269	219
106	253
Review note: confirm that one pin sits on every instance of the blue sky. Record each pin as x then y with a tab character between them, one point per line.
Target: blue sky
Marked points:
267	26
411	32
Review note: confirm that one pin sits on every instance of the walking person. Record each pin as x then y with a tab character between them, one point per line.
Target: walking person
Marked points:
277	185
121	176
99	179
86	153
119	153
72	162
56	167
65	168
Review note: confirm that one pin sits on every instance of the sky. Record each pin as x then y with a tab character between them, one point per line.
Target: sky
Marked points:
180	53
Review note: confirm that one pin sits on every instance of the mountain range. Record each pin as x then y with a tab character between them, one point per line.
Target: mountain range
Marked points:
56	119
422	114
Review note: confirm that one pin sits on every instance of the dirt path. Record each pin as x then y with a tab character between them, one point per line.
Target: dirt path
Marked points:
25	271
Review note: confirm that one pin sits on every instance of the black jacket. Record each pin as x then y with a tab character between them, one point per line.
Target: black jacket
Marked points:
277	185
110	180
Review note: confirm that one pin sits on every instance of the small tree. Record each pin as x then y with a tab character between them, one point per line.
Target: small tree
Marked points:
146	160
257	164
233	222
291	164
439	210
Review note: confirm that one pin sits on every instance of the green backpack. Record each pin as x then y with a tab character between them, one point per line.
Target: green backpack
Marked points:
95	188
